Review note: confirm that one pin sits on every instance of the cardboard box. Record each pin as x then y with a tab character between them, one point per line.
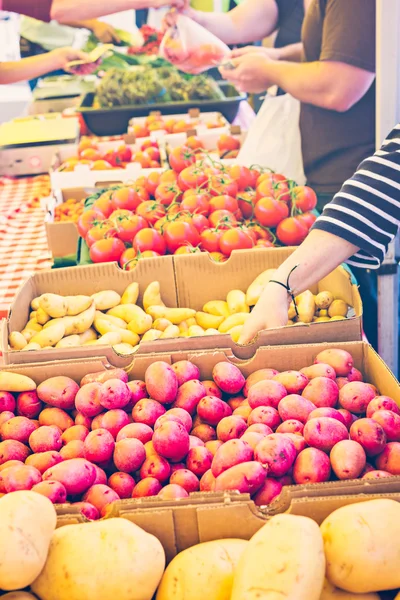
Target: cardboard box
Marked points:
63	236
186	281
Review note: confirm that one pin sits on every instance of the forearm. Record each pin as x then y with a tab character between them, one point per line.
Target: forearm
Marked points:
27	68
292	53
64	11
84	24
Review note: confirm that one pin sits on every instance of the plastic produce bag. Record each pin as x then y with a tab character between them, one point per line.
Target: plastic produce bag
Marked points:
274	140
192	48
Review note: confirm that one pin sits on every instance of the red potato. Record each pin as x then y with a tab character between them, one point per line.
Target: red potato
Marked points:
341	382
265	415
325	411
355	375
207	482
277	452
204	432
74	449
150	486
177	467
164	418
161	382
252	438
59	392
99	446
230	428
19	478
367	469
96	422
293	381
370	435
212	410
18	429
189	395
113	421
195	442
340	360
122	484
323	433
348	459
298	441
260	375
77	475
228	378
374	474
29	405
382	403
81	419
348	417
10	463
157	467
147	411
13	450
236	401
390	423
171	440
356	396
115	394
211	388
389	459
101	476
87	510
213	446
295	407
291	426
140	431
53	490
319	370
101	497
103	376
246	478
259	428
55	416
243	411
88	399
45	439
311	466
270	489
266	393
185	371
5	416
138	391
7	401
322	392
172	492
285	480
129	455
185	479
76	432
230	454
183	416
199	460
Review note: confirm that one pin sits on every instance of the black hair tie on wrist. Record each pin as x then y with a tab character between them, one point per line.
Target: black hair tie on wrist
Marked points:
288	288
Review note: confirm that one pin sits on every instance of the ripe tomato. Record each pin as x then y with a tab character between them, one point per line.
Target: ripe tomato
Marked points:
222	183
304	198
152	182
192	177
263	244
167	193
120	212
235	239
86	142
196	204
132	264
224	202
244	177
128	226
228	142
142	158
187	250
88	219
194	143
101	165
200	222
128	255
260	232
149	239
140	131
168	176
108	250
128	198
273	185
181	157
308	219
291	232
124	153
90	154
151	211
103	204
149	144
223	219
152	153
101	231
246	203
218	257
209	239
180	233
269	212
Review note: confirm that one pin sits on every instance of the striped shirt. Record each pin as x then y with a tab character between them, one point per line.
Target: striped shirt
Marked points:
366	211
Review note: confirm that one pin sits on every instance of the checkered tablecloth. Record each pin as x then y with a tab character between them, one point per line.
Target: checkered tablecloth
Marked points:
23	243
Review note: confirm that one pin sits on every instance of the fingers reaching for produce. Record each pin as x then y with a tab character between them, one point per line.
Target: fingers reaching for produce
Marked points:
249	73
63	56
270	312
105	33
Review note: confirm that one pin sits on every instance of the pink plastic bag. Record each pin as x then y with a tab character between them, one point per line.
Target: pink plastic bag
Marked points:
192	48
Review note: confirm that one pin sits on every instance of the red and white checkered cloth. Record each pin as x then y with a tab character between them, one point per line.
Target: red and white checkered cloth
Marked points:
23	243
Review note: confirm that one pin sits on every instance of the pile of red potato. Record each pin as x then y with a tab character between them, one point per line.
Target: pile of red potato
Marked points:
172	434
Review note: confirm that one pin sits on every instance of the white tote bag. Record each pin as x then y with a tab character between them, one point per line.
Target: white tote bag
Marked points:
274	140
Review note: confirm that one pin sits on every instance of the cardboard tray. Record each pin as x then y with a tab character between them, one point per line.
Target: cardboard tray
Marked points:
186	281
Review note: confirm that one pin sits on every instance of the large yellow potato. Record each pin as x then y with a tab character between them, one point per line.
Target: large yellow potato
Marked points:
103	560
284	559
13	382
362	546
27	522
330	592
203	571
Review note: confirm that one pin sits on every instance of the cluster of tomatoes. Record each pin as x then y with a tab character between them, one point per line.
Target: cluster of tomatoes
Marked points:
193	207
228	146
90	154
151	41
70	211
169	125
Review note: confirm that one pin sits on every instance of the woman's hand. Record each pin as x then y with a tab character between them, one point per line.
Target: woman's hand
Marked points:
250	72
271	53
63	56
271	311
105	33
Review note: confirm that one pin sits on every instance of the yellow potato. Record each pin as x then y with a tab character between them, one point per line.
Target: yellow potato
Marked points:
35	303
175	315
109	339
34	346
171	332
17	340
124	349
323	300
32	315
42	317
219	308
207	321
49	336
141	323
306	306
191	321
104	326
87	336
323	313
151	335
152	296
77	304
126	312
236	300
337	318
292	311
13	382
211	331
183	327
130	294
80	323
256	288
120	323
236	332
195	331
330	592
69	342
33	325
321	319
106	299
53	322
338	308
54	305
232	321
161	324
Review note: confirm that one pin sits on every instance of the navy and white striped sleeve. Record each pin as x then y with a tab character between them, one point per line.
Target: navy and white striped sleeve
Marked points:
366	211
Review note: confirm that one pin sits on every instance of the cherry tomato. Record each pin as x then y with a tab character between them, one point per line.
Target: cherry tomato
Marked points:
149	239
291	232
269	212
180	233
221	184
152	182
246	203
192	177
228	142
304	198
101	231
218	257
196	204
142	158
125	153
167	193
108	250
128	255
194	143
273	185
129	198
140	131
187	250
209	239
153	154
244	177
200	222
103	203
224	202
88	219
128	226
180	158
120	212
308	219
223	219
263	244
168	176
151	211
260	232
235	239
149	144
132	264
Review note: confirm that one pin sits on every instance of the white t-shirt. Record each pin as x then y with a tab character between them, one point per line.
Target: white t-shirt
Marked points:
52	35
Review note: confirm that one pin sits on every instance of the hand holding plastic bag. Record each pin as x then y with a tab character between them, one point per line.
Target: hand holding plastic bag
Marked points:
192	48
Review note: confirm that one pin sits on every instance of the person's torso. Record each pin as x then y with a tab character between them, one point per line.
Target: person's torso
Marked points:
333	143
291	16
